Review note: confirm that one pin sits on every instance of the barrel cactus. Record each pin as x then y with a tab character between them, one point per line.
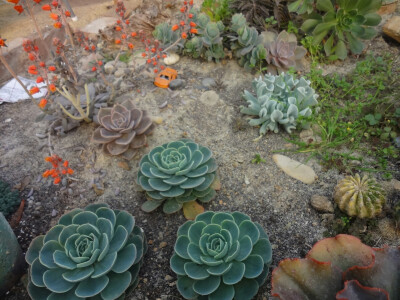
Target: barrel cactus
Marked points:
123	129
176	173
221	256
279	100
94	253
360	197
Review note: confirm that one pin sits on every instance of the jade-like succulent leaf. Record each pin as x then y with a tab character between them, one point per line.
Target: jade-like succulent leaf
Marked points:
95	252
214	257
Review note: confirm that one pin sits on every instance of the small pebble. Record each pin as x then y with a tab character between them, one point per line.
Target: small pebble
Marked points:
163	244
53	213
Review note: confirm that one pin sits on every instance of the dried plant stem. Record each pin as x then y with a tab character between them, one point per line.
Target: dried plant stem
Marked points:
111	99
76	102
71	69
31	14
68	30
3	60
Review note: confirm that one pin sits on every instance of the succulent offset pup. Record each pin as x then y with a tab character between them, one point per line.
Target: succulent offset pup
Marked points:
362	198
94	253
9	199
175	173
221	255
123	129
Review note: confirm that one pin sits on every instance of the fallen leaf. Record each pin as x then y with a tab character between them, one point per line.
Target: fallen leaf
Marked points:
192	209
124	165
216	185
16	217
98	189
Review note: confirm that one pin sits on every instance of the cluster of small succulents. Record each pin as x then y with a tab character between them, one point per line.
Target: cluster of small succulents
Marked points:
94	253
221	256
279	100
9	199
208	42
164	33
360	197
123	129
176	173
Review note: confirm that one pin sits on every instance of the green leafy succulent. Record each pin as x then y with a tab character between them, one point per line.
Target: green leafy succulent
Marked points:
164	33
302	6
221	256
94	253
343	23
176	173
9	200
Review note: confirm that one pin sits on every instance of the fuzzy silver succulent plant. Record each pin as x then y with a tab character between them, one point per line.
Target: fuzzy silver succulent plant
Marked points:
282	51
123	129
279	100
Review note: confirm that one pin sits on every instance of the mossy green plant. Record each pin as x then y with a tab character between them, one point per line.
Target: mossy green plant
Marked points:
9	199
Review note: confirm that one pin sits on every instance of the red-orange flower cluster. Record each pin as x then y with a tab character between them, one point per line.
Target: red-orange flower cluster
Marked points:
42	104
59	169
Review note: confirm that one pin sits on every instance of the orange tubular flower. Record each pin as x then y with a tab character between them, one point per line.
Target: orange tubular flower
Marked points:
52	68
54	16
31	56
190	16
19	8
3	43
155	71
118	28
183	9
193	30
57	180
175	27
54	3
65	164
127	22
182	23
162	67
193	24
133	34
191	2
155	63
34	90
100	63
39	79
148	61
67	14
184	35
94	69
57	25
93	47
52	88
70	171
144	54
46	173
153	50
13	1
46	7
42	64
37	1
43	103
123	36
131	46
118	41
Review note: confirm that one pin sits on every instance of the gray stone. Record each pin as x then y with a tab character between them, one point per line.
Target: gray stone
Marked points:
208	83
177	84
321	204
327	219
100	24
121	64
295	169
392	28
117	83
119	73
109	67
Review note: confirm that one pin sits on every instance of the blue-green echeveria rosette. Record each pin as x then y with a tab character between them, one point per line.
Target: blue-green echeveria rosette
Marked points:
176	173
221	256
92	253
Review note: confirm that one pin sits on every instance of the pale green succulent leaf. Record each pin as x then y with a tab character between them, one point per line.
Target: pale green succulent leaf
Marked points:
125	259
181	246
66	233
248	228
171	206
246	246
207	286
235	274
254	265
37	271
233	252
210	261
117	285
67	218
151	205
62	260
85	217
195	231
119	239
88	229
246	289
78	275
194	253
91	286
196	271
104	266
233	229
184	229
46	253
208	197
92	259
220	269
95	206
37	293
70	295
240	217
106	228
259	249
177	264
224	292
185	287
54	233
209	179
34	249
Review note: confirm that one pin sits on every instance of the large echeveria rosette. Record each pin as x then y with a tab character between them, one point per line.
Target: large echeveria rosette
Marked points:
176	173
95	253
221	256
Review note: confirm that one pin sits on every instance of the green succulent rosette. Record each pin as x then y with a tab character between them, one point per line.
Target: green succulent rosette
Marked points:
221	256
94	253
176	173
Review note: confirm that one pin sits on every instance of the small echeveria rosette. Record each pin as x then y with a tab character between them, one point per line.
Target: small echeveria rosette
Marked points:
221	256
94	253
123	129
177	173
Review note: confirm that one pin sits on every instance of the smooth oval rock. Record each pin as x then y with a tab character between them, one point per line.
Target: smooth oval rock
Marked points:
171	59
295	169
177	84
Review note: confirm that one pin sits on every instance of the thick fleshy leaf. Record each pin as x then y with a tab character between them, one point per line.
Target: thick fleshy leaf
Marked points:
254	266
119	239
343	251
85	217
211	261
233	252
55	282
184	229
117	285
220	269
125	259
34	249
208	197
354	290
171	206
66	233
263	248
293	277
88	229
70	295
248	228
235	274
37	271
126	220
158	184
175	180
78	275
194	253
181	246
174	191
207	286
91	286
224	292
63	261
211	229
219	217
192	209
198	172
232	228
67	218
53	233
94	207
91	261
185	287
105	227
196	271
104	266
37	293
246	289
178	264
239	217
151	205
246	247
47	252
195	232
209	178
205	217
193	182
